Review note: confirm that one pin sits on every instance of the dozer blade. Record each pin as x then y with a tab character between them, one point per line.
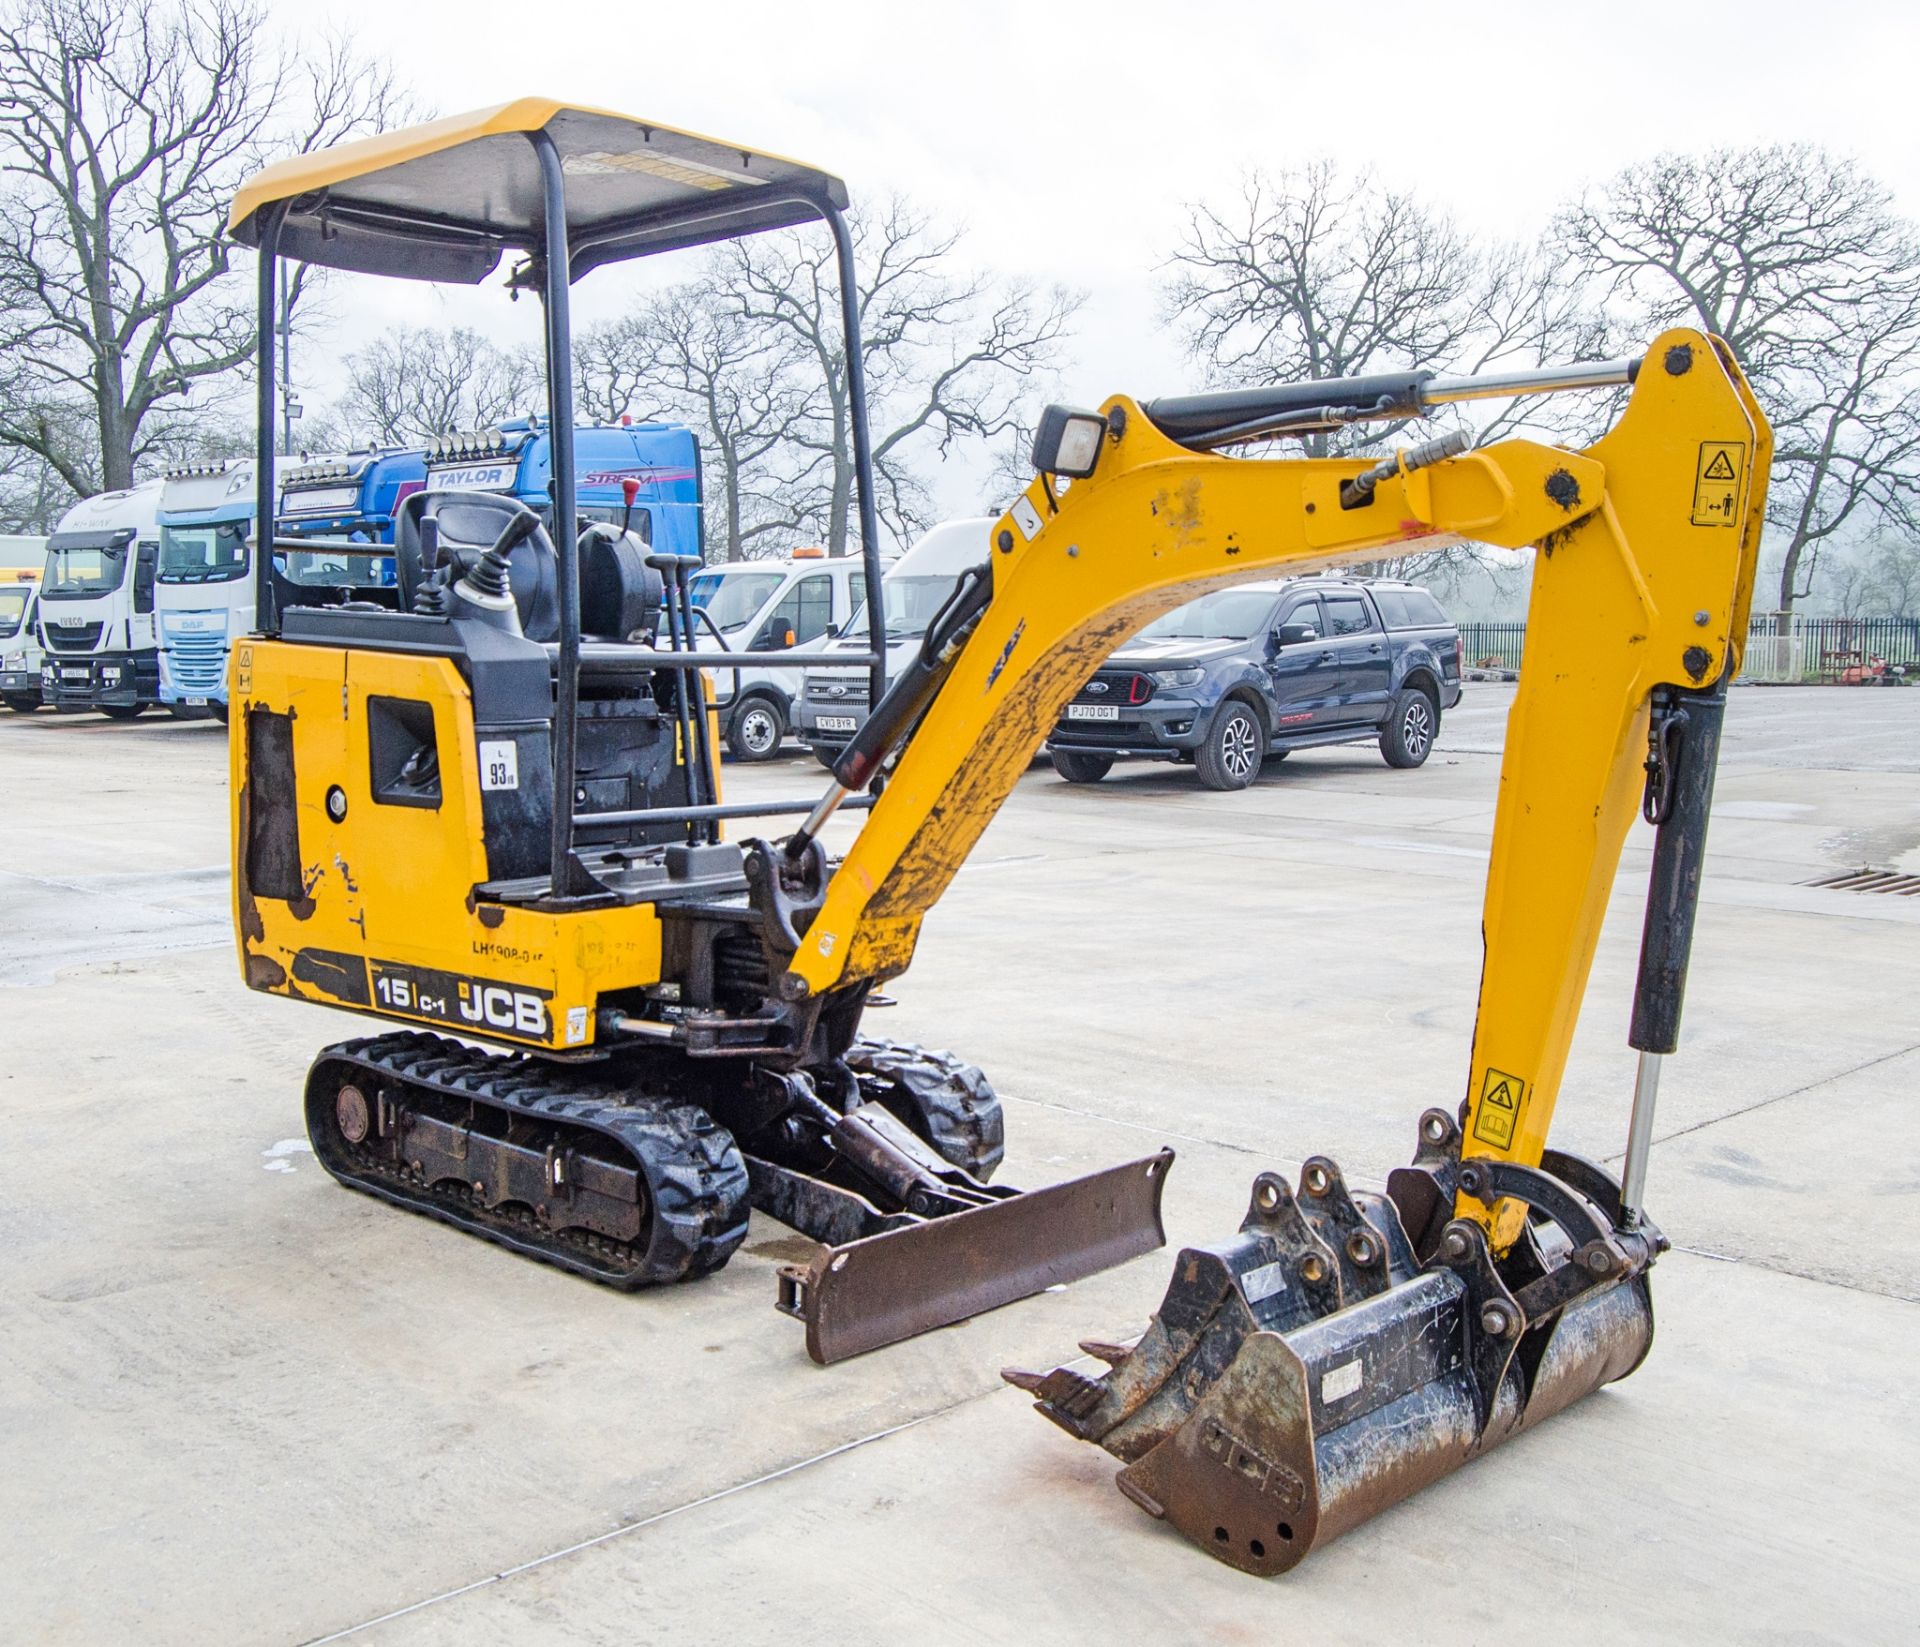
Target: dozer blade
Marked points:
1321	1366
882	1288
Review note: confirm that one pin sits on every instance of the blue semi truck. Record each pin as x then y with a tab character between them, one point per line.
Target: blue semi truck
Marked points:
517	458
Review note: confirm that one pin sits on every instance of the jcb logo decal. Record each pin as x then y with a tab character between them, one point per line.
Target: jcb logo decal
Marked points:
517	1010
478	1004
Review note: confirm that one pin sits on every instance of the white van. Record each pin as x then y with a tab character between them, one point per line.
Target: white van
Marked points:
834	701
96	605
20	653
762	608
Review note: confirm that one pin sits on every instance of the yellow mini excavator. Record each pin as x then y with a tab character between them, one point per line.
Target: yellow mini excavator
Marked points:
488	809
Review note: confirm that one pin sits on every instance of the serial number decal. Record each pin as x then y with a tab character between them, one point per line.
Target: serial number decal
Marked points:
465	1003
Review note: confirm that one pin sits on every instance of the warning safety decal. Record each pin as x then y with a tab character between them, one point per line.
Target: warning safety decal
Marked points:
1716	482
1499	1107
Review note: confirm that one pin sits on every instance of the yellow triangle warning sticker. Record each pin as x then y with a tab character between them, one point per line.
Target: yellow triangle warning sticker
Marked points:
1498	1110
1716	482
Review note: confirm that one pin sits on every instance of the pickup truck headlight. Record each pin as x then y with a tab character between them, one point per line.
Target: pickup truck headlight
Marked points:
1177	677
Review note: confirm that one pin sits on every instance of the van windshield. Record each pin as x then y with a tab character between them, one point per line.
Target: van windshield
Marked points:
912	602
203	554
13	609
84	563
1229	614
732	599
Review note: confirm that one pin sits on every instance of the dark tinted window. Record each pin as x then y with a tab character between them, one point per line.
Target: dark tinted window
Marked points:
1347	615
1394	611
1306	612
1410	609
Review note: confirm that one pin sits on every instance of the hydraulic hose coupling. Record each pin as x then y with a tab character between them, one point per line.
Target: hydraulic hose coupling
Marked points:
1358	492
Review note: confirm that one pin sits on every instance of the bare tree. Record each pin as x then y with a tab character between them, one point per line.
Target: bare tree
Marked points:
413	383
1313	273
124	131
688	355
1893	574
947	352
1846	581
33	497
1797	258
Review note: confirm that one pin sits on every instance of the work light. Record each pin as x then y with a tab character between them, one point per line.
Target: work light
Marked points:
1068	442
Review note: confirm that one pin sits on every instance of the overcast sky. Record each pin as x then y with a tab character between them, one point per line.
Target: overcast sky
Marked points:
1068	137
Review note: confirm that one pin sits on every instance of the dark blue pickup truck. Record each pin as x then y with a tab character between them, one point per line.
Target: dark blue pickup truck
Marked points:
1245	675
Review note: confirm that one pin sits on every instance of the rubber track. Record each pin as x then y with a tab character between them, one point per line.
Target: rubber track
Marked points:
689	1161
954	1099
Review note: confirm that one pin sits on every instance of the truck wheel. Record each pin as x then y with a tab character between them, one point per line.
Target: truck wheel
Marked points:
756	730
22	703
1230	756
123	711
220	712
1413	721
1075	767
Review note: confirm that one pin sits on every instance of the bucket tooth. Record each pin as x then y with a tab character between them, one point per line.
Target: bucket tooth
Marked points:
1263	1426
1101	1350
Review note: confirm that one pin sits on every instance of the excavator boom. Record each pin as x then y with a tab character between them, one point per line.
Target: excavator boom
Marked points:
1347	1348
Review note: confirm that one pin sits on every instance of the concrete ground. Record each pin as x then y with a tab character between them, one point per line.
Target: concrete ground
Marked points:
240	1404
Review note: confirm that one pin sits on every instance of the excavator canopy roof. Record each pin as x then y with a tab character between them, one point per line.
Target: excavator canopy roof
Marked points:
442	201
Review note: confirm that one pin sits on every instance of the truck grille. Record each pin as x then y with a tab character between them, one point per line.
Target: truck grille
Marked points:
835	691
72	637
1122	688
198	663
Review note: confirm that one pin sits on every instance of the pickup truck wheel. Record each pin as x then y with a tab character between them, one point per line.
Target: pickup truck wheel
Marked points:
1230	756
1076	767
22	703
756	730
1413	721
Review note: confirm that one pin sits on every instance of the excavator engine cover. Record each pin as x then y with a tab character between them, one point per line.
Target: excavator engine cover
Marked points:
1347	1349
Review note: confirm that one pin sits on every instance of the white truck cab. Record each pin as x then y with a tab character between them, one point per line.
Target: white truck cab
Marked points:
97	605
762	608
833	702
206	584
20	650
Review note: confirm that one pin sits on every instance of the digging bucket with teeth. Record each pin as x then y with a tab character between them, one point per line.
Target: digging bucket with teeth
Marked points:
1346	1349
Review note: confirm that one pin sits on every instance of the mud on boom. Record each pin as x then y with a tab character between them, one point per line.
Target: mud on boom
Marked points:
496	813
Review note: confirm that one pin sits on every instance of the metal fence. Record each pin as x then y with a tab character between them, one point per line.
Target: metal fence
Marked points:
1493	645
1781	647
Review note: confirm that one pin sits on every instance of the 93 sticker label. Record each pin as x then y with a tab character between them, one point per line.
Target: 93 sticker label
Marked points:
499	764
